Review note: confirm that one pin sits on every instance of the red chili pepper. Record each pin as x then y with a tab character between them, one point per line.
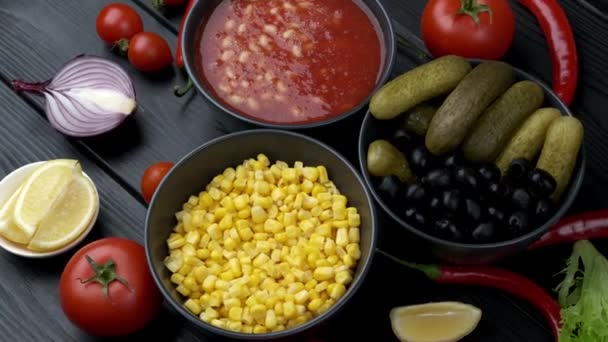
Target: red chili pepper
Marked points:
179	58
560	38
500	279
586	226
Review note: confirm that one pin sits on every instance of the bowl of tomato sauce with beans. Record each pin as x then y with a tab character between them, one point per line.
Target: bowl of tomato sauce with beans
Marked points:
288	63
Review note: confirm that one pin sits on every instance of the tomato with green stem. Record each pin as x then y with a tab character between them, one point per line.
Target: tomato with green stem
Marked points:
149	52
106	288
469	28
117	23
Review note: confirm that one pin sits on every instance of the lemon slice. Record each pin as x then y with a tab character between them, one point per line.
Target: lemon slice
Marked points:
8	228
434	322
69	216
40	191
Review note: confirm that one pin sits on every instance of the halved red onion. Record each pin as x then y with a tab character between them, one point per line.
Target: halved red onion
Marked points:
88	96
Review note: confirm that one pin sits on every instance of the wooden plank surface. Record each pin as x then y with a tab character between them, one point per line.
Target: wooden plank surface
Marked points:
41	35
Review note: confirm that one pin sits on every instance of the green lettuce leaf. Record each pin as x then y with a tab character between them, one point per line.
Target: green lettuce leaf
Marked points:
583	296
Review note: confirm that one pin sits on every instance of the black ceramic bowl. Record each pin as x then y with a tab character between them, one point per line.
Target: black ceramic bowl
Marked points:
469	253
197	169
195	22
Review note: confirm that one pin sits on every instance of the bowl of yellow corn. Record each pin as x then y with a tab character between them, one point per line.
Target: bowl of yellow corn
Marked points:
260	235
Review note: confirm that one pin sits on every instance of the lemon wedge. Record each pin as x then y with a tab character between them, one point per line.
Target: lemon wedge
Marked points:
8	228
40	191
69	216
434	322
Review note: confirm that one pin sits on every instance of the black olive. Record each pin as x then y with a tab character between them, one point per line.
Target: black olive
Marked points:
438	178
390	186
451	200
496	213
518	222
467	178
403	140
473	210
415	217
415	193
454	160
484	232
499	191
544	209
419	160
444	228
521	199
518	170
489	172
435	204
542	183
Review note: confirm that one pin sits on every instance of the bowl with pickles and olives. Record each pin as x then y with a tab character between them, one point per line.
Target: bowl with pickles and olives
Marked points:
477	158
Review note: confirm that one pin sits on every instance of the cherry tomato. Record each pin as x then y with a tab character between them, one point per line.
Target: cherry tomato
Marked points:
152	178
468	28
118	21
149	52
106	288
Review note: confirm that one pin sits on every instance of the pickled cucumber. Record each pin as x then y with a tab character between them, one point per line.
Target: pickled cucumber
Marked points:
463	106
498	122
384	159
420	84
417	120
528	140
560	151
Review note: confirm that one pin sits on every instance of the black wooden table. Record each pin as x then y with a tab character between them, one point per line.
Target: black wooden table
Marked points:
38	36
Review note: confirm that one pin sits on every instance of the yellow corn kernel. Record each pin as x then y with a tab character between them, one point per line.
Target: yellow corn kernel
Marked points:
304	214
289	309
353	250
193	237
264	202
342	237
226	222
238	291
216	255
205	200
307	227
312	259
292	189
260	260
273	212
193	306
316	211
258	311
315	304
332	260
188	249
301	297
230	244
221	284
184	291
235	313
204	241
218	323
209	283
227	276
258	214
239	184
299	200
337	291
289	174
247	329
200	273
289	219
278	194
174	263
234	326
343	277
272	226
310	285
340	224
310	173
323	177
230	303
261	187
340	252
272	300
192	260
241	202
244	213
176	243
185	269
320	193
177	278
211	314
259	329
323	230
354	220
323	273
215	300
271	320
326	215
190	283
281	237
354	235
215	193
214	231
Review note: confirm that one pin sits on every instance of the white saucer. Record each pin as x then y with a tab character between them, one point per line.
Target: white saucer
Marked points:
8	186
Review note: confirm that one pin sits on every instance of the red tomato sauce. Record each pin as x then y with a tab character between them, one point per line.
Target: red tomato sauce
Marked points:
290	61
